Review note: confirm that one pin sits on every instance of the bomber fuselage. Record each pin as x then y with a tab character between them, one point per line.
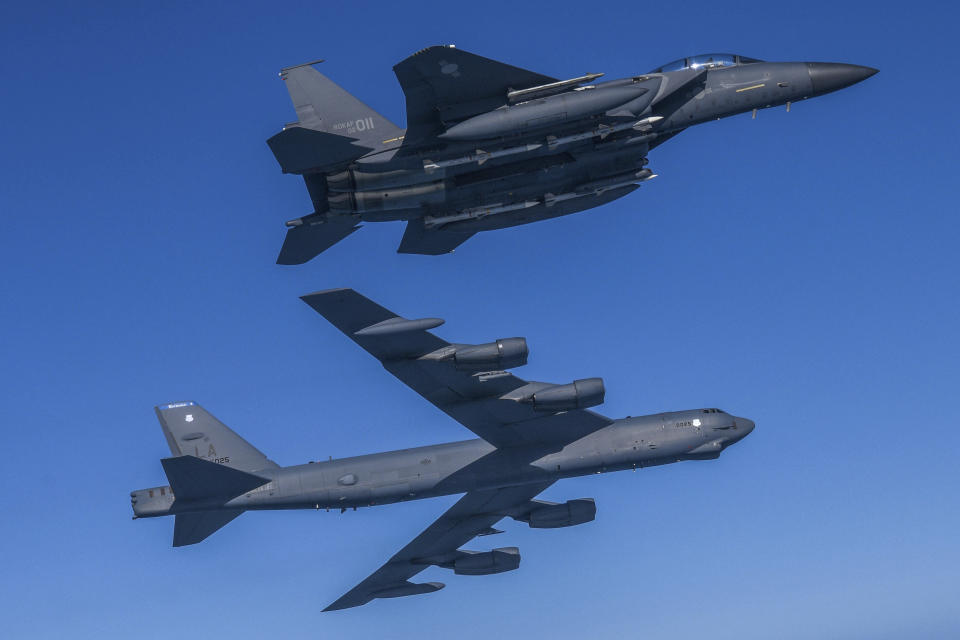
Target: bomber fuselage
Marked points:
458	467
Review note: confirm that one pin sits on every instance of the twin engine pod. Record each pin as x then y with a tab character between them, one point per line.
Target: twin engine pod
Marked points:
567	514
465	562
484	563
579	394
504	353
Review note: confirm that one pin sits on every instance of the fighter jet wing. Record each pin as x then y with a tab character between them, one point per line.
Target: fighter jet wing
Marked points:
430	242
444	84
474	514
492	404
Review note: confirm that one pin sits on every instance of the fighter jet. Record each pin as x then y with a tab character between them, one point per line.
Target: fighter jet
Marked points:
489	145
531	434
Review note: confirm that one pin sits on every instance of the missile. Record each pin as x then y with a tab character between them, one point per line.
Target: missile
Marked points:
549	112
519	95
603	131
479	156
432	222
619	180
596	187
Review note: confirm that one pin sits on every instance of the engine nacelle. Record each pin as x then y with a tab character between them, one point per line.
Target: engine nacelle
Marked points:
571	512
579	394
482	563
505	353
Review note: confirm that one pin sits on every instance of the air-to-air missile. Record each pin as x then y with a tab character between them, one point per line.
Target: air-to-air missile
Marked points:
489	145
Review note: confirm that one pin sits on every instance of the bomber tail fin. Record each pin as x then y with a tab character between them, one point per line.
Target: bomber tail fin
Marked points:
333	127
192	430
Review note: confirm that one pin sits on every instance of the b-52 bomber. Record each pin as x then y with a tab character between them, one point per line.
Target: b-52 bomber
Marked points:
531	434
489	145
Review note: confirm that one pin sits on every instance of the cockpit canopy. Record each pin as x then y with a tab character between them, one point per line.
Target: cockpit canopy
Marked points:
706	61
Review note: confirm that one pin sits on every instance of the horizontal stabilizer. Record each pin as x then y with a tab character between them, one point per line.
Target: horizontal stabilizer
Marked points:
309	239
430	242
193	479
299	149
191	528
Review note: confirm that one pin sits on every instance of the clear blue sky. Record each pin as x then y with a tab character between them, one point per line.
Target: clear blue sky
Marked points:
800	269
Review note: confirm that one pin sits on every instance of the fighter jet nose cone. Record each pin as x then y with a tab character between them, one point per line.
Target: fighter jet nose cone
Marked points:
831	76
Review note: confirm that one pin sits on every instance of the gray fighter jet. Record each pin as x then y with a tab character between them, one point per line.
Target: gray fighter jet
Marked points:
531	435
489	145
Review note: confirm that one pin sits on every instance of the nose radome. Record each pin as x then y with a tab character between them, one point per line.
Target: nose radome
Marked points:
831	76
744	426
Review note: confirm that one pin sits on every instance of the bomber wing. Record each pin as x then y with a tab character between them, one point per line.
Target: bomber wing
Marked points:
492	404
443	84
474	514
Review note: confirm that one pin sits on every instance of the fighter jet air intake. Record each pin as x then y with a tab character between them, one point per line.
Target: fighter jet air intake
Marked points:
489	145
531	434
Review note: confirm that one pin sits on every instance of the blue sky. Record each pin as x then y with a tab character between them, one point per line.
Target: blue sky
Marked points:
799	269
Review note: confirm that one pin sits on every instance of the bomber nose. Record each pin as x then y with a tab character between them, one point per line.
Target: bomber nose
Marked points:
831	76
744	427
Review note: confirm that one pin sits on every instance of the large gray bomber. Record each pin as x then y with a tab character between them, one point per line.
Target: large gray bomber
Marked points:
531	435
489	145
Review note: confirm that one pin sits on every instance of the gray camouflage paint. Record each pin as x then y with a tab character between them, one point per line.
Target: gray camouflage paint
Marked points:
471	160
458	467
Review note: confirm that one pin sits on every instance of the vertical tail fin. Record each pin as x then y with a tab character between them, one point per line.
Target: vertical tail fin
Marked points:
323	105
191	430
333	127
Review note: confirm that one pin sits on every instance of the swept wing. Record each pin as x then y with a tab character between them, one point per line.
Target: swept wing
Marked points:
443	84
474	514
492	404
